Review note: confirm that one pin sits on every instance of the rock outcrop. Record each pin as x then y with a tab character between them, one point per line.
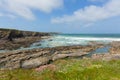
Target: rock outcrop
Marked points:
38	57
106	56
11	34
13	39
115	47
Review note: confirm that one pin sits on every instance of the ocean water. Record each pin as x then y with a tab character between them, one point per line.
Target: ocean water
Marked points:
75	39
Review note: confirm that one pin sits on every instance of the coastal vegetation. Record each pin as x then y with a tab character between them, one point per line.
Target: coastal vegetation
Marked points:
69	69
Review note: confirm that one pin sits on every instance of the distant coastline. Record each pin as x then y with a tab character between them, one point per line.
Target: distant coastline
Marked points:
11	39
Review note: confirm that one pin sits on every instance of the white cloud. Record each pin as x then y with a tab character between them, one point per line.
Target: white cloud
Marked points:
97	0
91	14
24	7
7	15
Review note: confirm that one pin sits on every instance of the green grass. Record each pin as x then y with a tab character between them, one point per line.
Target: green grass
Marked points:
69	69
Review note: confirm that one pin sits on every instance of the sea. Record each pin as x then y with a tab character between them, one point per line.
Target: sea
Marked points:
75	39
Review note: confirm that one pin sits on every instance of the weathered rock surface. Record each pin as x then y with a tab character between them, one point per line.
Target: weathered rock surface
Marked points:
13	39
12	33
115	47
38	57
61	56
49	66
33	63
106	56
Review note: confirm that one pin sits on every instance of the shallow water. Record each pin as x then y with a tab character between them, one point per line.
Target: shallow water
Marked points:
103	50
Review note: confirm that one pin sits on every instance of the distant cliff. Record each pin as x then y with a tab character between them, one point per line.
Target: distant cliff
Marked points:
11	39
10	34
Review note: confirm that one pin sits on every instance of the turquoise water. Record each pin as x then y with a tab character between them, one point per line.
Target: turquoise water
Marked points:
75	39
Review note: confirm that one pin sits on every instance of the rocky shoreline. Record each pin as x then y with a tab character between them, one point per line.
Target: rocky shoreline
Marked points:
38	57
11	39
35	58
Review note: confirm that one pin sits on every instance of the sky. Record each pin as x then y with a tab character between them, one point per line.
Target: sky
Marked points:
66	16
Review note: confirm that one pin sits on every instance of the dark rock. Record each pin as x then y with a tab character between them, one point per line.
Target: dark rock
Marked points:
13	39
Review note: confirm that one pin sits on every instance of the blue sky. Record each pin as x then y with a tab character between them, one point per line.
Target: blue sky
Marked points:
67	16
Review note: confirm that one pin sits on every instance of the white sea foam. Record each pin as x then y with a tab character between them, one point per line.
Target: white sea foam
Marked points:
86	38
69	40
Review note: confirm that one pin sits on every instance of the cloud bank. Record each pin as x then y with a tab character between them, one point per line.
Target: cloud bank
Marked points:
24	8
91	14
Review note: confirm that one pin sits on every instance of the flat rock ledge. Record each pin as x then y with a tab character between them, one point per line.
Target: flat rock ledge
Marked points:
106	57
115	47
38	57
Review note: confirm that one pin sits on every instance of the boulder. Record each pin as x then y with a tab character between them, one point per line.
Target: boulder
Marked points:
33	63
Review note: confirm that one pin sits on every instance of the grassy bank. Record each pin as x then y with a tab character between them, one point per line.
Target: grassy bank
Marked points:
69	69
